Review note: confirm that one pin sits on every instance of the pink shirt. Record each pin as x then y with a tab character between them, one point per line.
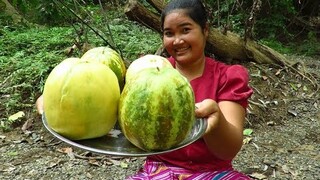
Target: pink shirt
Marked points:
219	82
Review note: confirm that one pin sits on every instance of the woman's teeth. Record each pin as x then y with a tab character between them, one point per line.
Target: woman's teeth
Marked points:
181	49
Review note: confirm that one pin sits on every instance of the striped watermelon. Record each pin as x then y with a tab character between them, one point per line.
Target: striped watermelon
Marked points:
156	109
110	58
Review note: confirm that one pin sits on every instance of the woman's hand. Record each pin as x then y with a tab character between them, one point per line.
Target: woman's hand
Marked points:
225	119
209	109
39	104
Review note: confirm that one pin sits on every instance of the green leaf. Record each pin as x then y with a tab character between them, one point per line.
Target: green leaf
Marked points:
12	153
247	132
294	87
123	165
16	116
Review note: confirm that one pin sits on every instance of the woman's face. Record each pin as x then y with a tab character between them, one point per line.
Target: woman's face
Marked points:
183	38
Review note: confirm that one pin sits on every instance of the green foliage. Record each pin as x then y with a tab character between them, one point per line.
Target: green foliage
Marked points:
273	19
46	12
28	55
26	58
228	13
135	40
5	20
276	45
309	46
49	12
125	35
270	20
273	23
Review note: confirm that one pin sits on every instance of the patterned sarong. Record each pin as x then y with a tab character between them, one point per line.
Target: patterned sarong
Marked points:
160	171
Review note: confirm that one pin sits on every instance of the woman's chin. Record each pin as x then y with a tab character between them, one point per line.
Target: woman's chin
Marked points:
182	58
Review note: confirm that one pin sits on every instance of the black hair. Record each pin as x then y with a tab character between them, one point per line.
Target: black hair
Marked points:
194	9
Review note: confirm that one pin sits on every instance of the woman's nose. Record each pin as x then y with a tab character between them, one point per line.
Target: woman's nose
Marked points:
177	40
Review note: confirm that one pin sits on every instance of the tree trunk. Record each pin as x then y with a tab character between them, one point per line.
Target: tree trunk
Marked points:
12	12
224	45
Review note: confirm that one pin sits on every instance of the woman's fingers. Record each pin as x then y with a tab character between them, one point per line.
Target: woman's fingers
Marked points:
39	105
206	108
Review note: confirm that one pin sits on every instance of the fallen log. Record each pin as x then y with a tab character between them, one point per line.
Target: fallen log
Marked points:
135	11
231	46
157	4
226	45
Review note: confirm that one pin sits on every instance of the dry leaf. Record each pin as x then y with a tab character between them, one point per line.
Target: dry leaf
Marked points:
315	105
247	140
27	125
115	162
292	112
285	169
8	169
271	123
68	151
114	133
53	163
264	77
258	176
89	175
65	150
94	162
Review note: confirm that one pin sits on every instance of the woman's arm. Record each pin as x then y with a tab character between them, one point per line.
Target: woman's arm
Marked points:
225	127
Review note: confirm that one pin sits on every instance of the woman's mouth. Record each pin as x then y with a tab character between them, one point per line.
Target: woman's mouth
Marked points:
180	51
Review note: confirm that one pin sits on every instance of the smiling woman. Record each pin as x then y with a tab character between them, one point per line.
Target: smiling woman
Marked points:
221	93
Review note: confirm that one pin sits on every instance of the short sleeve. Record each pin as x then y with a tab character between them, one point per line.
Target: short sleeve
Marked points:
235	85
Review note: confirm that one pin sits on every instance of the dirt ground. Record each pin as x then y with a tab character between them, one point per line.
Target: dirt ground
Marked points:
285	143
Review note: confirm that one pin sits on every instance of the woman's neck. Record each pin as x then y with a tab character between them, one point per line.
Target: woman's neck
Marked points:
192	71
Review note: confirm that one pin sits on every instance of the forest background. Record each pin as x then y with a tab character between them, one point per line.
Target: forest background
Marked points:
36	35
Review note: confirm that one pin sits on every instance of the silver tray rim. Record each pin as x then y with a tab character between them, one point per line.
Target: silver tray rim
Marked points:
198	130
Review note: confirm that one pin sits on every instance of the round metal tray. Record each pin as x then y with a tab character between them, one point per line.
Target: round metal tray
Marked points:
115	143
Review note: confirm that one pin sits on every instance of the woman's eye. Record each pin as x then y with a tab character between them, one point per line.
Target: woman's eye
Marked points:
186	30
167	33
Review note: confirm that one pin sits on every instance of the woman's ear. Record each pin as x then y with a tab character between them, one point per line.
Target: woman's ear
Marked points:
206	30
